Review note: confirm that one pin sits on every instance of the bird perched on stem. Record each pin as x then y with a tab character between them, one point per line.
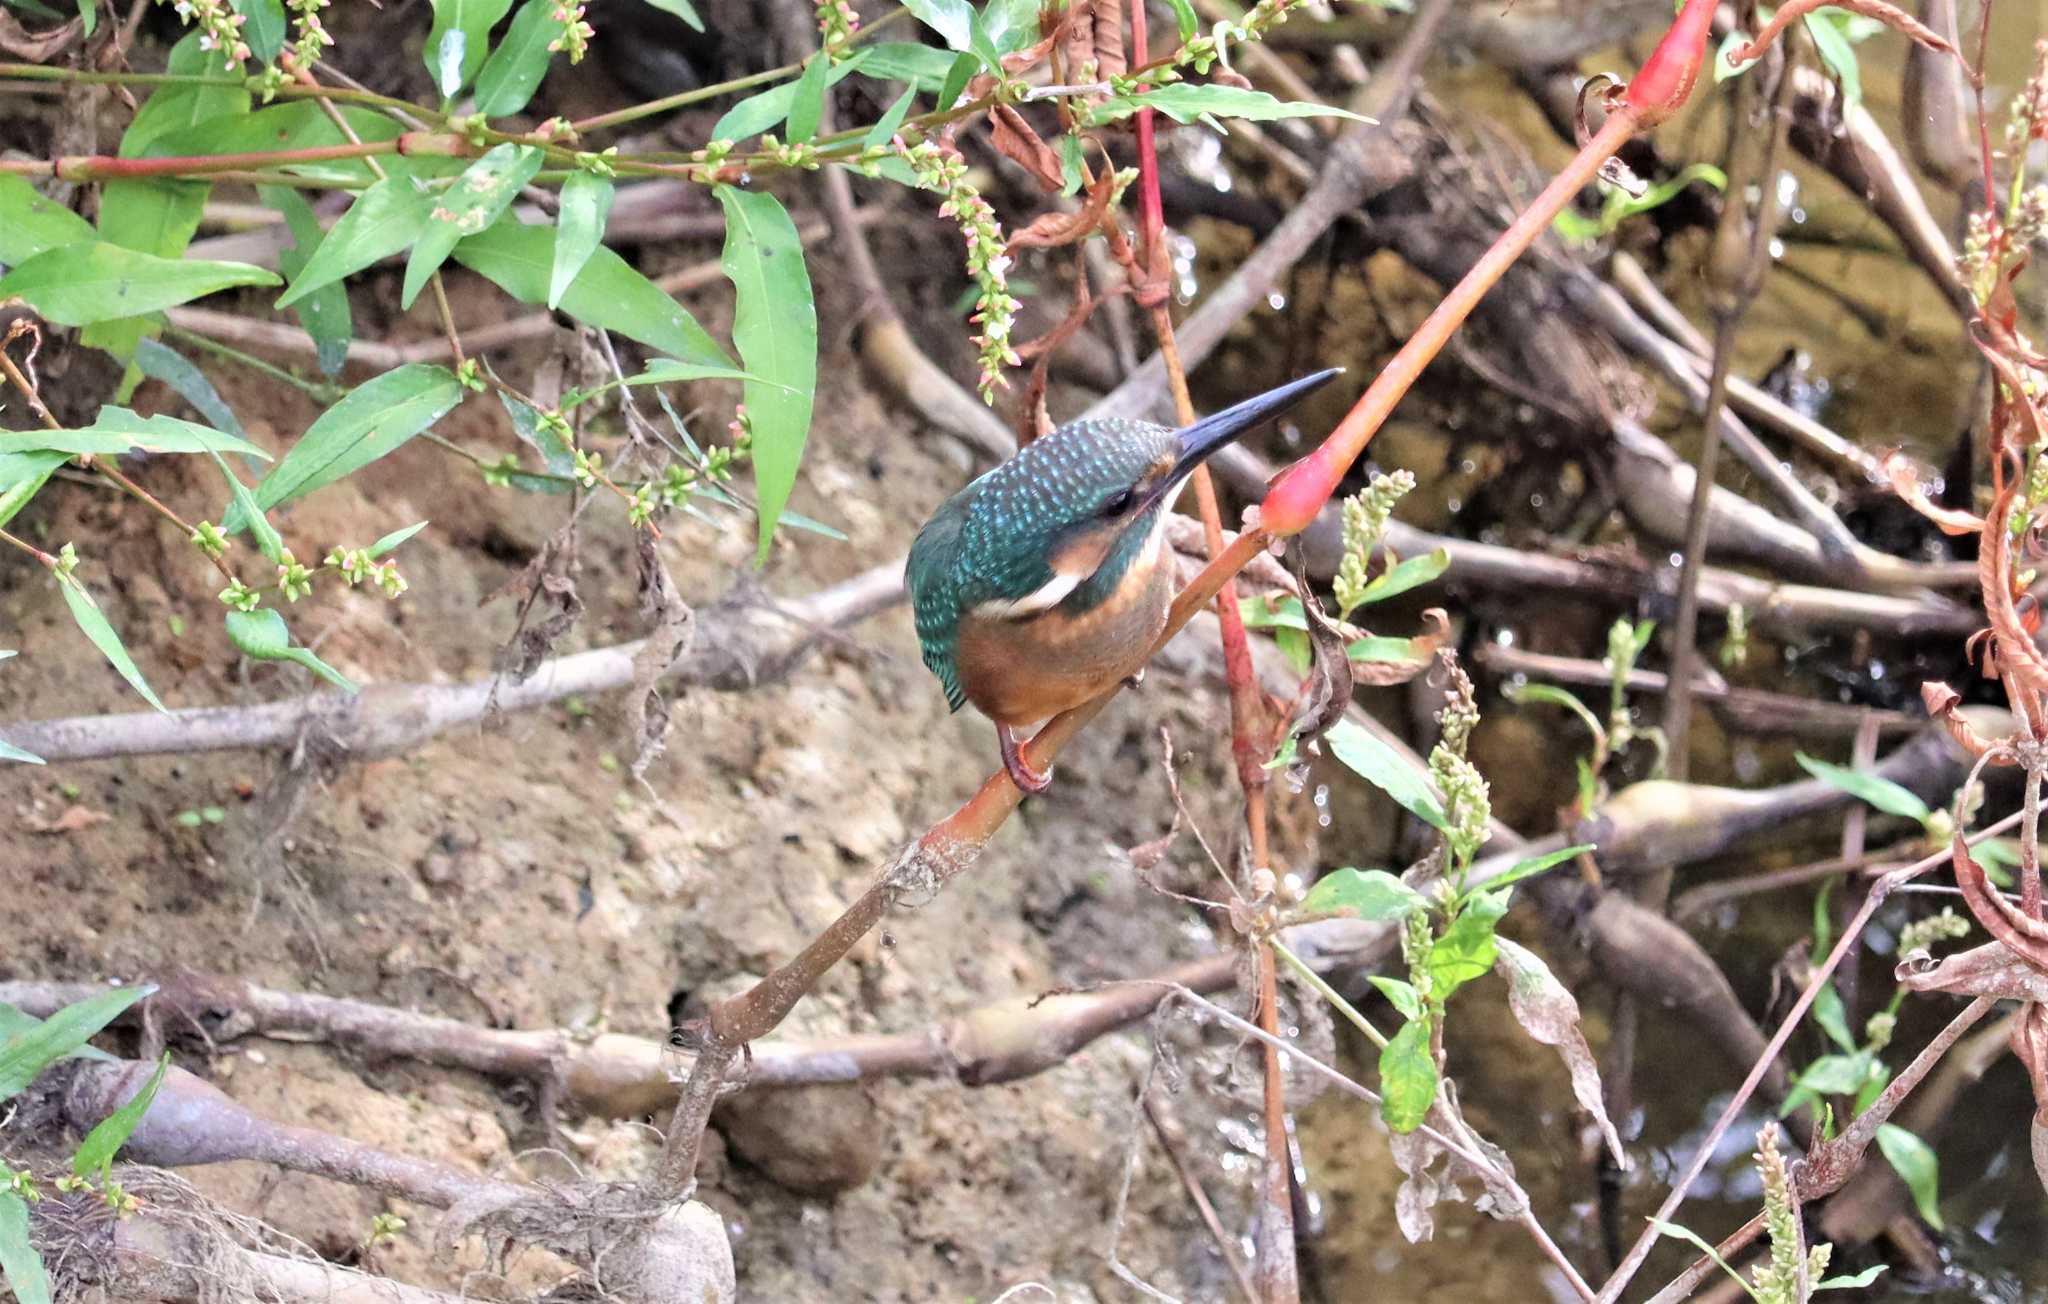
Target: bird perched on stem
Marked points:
1046	581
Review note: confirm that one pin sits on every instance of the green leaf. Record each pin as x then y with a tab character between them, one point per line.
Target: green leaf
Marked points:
392	540
807	104
323	313
1832	1018
116	430
1009	26
1917	1167
22	476
1370	894
513	72
1830	1075
31	223
1535	865
886	126
1184	18
555	454
682	9
9	752
89	15
1407	1077
300	125
953	20
90	619
167	366
1402	995
77	285
1072	159
1879	791
1184	103
384	219
759	113
1857	1282
268	541
1411	573
179	107
262	636
1692	1238
27	1051
476	200
607	293
20	1266
262	27
1466	949
1549	694
1834	49
963	70
1380	765
96	1153
579	229
374	419
1735	40
775	326
922	66
458	40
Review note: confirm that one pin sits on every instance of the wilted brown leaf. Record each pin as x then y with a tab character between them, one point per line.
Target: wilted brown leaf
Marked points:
1548	1012
1905	482
1016	140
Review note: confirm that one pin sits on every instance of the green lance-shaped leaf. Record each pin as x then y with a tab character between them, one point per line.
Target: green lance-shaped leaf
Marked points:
94	623
301	125
9	752
1185	103
762	112
323	313
31	223
905	61
1370	894
1879	791
244	508
89	15
682	9
478	198
384	219
21	1268
607	293
459	40
1535	865
262	27
32	1047
167	366
96	1153
775	326
262	636
79	284
392	540
579	228
1407	1077
1384	768
513	72
1414	572
807	106
1467	948
1832	44
886	126
1184	18
1916	1165
22	476
374	419
1400	993
116	430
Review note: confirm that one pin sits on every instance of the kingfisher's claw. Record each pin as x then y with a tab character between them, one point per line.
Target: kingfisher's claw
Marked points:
1027	779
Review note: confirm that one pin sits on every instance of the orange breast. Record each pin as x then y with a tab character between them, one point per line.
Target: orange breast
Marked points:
1018	671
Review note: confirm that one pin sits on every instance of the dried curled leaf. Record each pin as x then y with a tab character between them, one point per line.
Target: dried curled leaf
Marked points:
1016	140
1548	1012
1905	482
1422	651
1944	704
1050	230
2017	657
2024	935
1987	970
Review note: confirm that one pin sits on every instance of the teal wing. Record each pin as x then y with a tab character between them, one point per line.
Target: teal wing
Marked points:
934	576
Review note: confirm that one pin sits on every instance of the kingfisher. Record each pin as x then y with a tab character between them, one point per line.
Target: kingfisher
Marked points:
1046	581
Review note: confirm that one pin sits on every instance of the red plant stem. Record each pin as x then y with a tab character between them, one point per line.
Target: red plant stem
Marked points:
101	167
1303	488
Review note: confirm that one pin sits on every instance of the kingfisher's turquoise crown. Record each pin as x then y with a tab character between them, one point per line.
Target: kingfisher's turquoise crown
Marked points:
993	540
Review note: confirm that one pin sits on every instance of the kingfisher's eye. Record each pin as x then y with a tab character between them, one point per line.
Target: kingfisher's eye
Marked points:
1120	504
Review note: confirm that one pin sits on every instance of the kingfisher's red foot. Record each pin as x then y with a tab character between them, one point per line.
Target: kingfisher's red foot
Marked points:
1021	773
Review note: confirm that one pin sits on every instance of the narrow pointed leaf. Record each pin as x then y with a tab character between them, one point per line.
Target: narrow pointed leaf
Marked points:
1370	894
27	1051
393	539
477	199
514	71
1184	102
682	9
244	508
906	61
1879	791
775	326
768	109
1409	574
324	313
376	418
579	228
1378	764
76	285
22	476
384	219
96	627
9	752
21	1267
1535	865
261	635
96	1153
607	293
808	105
889	123
116	430
1917	1167
167	366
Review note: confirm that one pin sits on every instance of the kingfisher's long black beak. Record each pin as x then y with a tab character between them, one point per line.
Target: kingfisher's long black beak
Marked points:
1204	437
